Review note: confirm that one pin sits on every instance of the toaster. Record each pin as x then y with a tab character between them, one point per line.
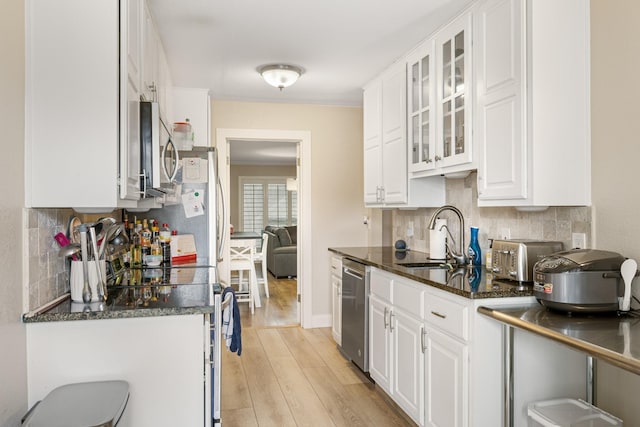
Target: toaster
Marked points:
513	259
579	280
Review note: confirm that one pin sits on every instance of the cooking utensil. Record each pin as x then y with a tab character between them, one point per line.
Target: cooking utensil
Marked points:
70	250
86	290
105	223
102	287
64	241
72	229
628	271
112	231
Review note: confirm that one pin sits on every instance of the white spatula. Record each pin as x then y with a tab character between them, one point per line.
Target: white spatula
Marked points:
628	271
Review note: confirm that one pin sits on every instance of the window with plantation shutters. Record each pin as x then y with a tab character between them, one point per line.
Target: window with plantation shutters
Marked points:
266	201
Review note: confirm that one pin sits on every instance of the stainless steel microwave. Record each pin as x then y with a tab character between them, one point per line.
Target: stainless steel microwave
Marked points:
158	155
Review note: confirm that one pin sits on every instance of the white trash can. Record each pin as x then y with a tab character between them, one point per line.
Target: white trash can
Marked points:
569	413
91	404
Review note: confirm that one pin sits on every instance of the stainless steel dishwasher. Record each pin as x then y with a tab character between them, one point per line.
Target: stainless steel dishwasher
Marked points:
355	312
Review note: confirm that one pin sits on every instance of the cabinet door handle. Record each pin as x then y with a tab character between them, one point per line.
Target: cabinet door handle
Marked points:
390	320
386	310
442	316
438	158
428	160
422	338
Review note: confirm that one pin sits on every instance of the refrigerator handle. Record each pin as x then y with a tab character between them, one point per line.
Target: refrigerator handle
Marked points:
223	235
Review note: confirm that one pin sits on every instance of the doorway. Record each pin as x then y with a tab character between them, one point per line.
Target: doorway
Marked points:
301	140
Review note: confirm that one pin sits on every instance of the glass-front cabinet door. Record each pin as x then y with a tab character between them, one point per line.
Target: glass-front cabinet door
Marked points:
420	76
454	80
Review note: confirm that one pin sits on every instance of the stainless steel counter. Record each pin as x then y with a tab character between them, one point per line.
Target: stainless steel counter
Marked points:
609	337
468	282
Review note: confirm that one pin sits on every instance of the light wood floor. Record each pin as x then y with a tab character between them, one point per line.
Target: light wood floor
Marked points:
289	376
280	309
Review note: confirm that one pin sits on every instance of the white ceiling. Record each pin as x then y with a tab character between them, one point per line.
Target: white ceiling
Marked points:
218	44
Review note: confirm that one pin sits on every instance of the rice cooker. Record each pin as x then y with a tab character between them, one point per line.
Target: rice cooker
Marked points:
579	280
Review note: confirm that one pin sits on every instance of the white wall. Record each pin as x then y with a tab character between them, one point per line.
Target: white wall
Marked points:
13	370
615	125
337	176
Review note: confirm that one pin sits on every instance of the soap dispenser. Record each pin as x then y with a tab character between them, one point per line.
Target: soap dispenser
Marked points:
475	255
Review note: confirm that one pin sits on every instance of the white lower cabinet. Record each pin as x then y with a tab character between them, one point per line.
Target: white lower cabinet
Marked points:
395	340
446	367
164	359
434	355
408	367
379	342
336	297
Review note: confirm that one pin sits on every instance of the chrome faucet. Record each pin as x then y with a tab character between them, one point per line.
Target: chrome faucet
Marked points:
459	255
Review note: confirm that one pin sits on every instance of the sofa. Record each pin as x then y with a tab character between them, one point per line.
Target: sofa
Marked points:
282	251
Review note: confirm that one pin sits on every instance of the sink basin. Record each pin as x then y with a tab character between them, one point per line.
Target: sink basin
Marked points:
424	264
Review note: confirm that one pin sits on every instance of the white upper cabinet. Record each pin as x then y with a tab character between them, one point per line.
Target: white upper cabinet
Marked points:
532	111
421	108
385	138
454	87
386	182
131	41
439	73
156	80
74	119
84	78
193	104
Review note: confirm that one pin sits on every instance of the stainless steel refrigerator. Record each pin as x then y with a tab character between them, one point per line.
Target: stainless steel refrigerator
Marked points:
197	174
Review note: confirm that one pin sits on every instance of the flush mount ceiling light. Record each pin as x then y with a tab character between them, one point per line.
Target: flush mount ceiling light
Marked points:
280	75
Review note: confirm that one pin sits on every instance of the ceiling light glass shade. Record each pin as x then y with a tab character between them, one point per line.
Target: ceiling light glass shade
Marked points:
280	75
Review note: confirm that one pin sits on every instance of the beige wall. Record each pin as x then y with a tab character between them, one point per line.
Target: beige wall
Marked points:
615	125
336	175
13	375
236	171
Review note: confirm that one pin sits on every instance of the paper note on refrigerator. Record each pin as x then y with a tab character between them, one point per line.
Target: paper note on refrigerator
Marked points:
193	203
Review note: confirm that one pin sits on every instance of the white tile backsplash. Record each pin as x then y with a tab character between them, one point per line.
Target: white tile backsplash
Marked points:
554	223
47	272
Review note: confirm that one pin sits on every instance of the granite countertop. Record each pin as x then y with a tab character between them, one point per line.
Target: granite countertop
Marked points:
149	292
468	282
607	336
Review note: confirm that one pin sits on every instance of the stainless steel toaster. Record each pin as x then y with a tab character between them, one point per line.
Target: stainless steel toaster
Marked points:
513	259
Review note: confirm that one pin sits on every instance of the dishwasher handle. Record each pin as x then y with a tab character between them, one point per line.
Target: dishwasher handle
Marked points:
354	273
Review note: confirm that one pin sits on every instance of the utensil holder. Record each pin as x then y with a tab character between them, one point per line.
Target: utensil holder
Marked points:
76	279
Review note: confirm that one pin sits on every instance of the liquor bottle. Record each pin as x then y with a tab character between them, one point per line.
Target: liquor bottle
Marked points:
145	239
155	241
165	244
475	255
136	251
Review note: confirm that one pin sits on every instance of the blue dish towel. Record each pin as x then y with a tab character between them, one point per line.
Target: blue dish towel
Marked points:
234	338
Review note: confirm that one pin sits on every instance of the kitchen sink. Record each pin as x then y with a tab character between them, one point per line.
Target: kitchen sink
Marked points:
425	264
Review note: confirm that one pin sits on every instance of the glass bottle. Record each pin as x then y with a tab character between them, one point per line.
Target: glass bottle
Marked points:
145	239
136	251
475	255
165	244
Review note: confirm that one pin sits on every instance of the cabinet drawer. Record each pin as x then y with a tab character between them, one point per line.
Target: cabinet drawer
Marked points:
336	265
408	296
380	284
447	315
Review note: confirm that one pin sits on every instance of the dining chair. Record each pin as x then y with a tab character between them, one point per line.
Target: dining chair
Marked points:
241	259
261	257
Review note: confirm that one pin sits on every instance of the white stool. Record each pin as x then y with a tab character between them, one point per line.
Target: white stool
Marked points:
261	257
241	259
